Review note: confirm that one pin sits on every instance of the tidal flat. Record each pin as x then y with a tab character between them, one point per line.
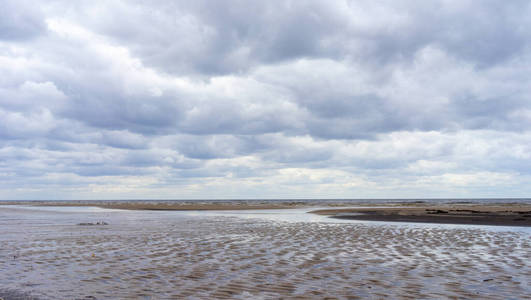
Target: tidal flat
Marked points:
268	254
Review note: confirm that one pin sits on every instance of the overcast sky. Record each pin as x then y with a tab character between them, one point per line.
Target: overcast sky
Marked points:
264	99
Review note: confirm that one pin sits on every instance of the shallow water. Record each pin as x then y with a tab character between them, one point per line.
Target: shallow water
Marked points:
264	254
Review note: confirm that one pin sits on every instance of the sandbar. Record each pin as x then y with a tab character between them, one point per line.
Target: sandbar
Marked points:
503	215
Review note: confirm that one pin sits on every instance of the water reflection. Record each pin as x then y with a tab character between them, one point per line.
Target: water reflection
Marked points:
292	215
253	254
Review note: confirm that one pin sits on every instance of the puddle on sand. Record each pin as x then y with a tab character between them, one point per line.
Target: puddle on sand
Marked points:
255	254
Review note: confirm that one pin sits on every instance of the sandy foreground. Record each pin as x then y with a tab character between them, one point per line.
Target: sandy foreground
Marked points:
171	255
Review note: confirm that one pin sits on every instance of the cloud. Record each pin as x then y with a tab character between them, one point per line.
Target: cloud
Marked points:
233	37
279	98
215	38
20	20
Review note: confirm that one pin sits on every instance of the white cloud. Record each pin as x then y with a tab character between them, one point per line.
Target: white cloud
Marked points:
169	99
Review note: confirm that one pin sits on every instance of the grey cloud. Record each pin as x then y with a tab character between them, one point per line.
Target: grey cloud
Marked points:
212	172
298	155
492	113
206	38
488	34
137	115
218	38
99	98
350	116
92	171
20	20
356	114
208	147
206	92
230	118
347	128
123	139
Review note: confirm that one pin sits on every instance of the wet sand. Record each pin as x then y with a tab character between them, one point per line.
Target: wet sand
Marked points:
6	294
168	255
502	215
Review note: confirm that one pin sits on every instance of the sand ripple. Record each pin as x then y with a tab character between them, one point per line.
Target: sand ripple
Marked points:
233	258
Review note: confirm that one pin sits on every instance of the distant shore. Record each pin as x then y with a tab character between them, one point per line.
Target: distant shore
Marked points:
502	215
166	205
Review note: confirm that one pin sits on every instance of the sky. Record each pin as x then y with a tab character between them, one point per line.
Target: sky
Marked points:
265	99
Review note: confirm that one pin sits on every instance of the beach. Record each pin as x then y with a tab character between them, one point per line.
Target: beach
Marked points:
165	254
501	215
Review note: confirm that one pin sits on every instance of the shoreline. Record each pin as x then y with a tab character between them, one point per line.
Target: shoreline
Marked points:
162	206
498	215
501	214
